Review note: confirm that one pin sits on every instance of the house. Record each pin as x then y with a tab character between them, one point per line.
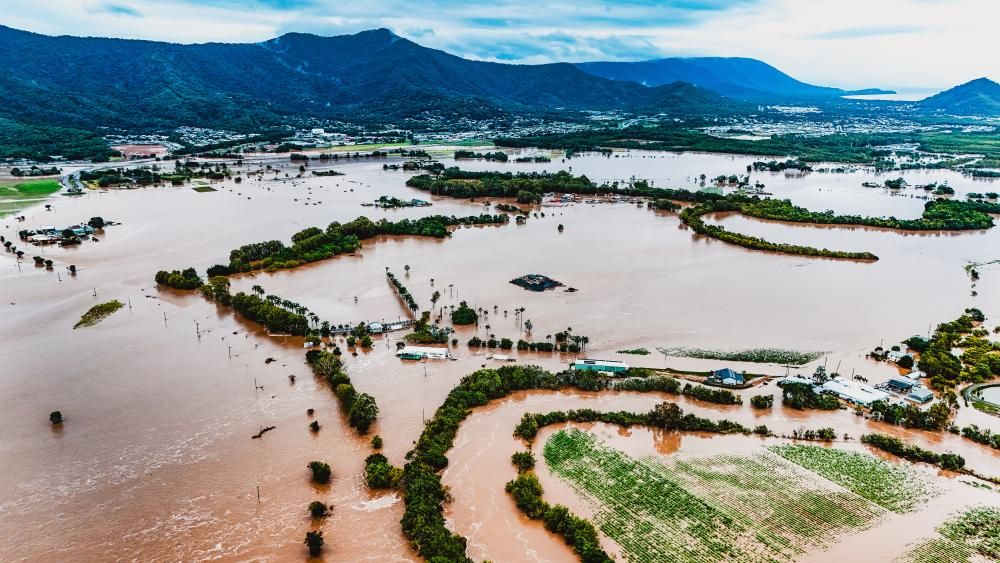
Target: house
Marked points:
920	395
726	377
611	366
421	352
375	328
895	355
916	374
899	384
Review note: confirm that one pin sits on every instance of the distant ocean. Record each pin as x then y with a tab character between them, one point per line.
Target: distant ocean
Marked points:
899	96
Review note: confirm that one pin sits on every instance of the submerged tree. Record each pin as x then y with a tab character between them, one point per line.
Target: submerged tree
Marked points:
314	540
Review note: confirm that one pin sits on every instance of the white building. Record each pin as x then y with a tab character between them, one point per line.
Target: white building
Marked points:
855	392
895	355
421	352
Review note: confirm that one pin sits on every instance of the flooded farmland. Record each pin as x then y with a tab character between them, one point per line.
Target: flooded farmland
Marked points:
155	459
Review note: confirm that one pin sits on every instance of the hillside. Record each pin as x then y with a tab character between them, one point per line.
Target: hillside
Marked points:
372	75
979	97
735	77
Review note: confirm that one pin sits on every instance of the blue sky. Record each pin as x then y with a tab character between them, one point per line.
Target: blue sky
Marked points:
905	44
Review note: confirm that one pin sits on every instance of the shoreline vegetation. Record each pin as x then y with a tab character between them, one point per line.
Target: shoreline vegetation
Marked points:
528	188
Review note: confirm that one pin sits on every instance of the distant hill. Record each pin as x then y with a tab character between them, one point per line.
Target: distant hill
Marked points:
735	77
370	76
978	97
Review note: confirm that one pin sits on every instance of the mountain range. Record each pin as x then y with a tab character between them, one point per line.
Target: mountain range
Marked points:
372	77
735	77
977	97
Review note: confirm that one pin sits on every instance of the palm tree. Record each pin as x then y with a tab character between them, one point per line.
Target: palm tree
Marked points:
258	290
407	268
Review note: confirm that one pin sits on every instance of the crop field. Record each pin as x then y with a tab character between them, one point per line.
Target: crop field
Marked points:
971	534
747	508
754	355
896	488
14	197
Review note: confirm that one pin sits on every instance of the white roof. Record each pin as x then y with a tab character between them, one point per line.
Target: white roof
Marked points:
424	350
797	379
605	363
854	391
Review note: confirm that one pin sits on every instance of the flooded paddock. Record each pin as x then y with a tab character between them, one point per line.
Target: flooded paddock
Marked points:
155	459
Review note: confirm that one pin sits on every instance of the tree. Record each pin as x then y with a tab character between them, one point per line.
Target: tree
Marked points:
380	474
314	540
96	223
435	297
363	412
464	315
905	362
528	326
320	471
377	442
55	417
317	509
523	460
667	416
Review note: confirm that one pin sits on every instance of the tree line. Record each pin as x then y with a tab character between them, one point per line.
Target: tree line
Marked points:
314	243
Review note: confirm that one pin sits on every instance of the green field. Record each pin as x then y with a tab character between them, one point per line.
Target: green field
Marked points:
975	532
893	487
747	508
14	197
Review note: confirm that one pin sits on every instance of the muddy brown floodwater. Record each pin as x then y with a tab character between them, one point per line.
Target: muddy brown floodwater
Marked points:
155	462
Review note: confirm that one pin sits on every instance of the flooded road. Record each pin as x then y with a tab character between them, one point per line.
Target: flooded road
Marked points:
155	460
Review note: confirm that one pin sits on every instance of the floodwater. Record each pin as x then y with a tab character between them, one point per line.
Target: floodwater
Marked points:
155	459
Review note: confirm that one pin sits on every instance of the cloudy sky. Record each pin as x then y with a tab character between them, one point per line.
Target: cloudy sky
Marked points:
902	44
